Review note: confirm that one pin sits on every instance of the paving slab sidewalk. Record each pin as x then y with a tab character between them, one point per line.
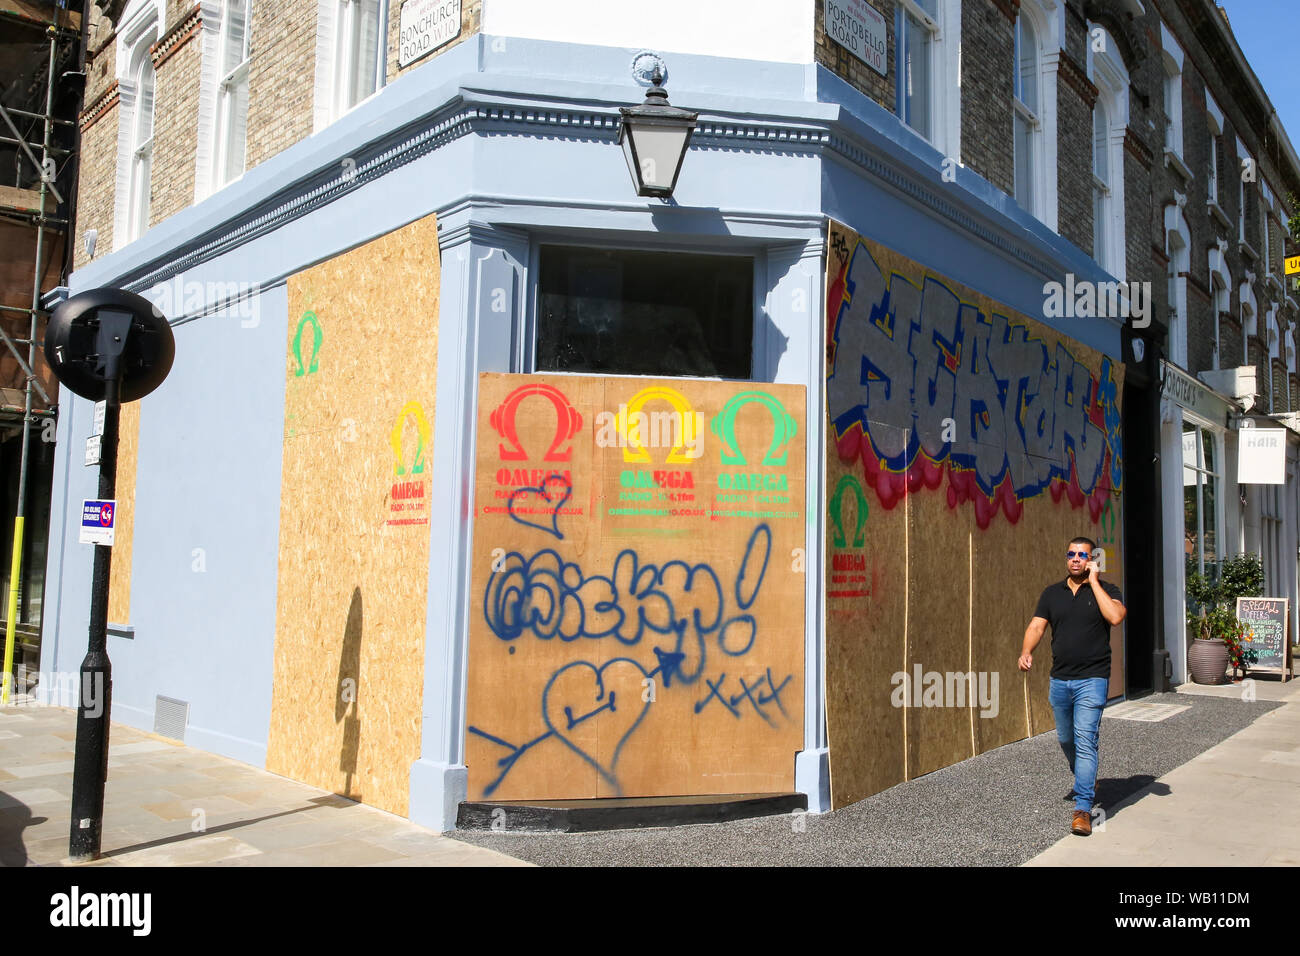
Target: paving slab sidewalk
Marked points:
1181	818
160	792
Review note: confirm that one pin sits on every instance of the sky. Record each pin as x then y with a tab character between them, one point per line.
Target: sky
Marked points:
1265	30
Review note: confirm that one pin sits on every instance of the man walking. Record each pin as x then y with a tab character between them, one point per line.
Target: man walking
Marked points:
1082	610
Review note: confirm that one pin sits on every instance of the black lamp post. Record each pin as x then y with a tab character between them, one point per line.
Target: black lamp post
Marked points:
654	137
116	346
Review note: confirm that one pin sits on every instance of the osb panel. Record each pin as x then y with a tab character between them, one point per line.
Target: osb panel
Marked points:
1008	580
1000	439
354	518
128	452
639	603
865	637
938	635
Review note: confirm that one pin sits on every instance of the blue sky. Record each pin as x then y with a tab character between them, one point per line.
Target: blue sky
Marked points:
1265	29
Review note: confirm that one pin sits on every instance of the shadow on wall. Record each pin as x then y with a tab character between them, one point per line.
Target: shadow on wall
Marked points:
345	705
13	821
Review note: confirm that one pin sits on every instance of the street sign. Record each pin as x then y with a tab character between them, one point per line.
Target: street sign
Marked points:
1293	265
94	449
97	425
97	516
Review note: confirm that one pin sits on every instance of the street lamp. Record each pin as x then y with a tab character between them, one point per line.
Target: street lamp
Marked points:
654	137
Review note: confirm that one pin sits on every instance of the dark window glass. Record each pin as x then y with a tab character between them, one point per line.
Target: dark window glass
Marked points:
645	313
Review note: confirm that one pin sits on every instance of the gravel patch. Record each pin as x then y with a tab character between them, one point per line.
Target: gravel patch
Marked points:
1001	808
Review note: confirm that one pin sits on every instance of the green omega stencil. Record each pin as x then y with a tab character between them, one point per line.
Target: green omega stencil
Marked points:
317	337
848	483
1107	523
783	431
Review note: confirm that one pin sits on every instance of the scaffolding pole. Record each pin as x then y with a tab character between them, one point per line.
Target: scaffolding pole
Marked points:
47	186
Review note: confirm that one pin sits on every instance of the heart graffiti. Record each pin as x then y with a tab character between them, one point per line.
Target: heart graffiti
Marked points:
584	703
540	507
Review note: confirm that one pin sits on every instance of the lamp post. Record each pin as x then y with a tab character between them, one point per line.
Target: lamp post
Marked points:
115	346
654	137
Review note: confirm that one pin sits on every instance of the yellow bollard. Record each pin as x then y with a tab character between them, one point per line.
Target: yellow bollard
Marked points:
15	568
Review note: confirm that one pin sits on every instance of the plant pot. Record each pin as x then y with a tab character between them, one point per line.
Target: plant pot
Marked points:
1208	661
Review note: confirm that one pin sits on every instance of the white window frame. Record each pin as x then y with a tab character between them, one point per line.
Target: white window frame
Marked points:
1265	208
1290	366
1274	335
215	94
140	27
1214	119
1178	247
1243	154
1107	72
1048	28
1219	295
1205	475
944	127
1171	56
332	98
1249	314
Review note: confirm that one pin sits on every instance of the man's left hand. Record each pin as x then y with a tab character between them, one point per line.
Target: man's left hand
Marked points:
1093	573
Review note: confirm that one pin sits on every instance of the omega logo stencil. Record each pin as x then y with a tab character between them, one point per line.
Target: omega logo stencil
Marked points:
410	491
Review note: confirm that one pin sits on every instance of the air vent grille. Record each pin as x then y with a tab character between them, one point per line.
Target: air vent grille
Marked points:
170	717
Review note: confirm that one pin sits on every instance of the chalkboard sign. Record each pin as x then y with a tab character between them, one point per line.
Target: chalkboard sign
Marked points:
1267	634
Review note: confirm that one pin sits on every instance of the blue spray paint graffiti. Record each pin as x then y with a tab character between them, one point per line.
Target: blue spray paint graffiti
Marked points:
539	507
684	604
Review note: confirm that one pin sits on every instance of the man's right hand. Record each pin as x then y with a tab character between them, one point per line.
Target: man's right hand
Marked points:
1026	661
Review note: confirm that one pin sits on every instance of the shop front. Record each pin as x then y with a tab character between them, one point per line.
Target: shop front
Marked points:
499	482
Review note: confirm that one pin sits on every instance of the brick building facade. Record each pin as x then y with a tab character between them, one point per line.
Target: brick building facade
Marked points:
287	96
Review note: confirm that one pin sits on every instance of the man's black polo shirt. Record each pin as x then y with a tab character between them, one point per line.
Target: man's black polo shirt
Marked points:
1080	635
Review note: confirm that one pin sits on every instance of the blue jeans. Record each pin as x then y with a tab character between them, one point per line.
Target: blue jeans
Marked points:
1078	705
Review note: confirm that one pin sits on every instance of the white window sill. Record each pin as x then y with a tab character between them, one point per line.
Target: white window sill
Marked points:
1217	212
1248	250
1271	280
1175	162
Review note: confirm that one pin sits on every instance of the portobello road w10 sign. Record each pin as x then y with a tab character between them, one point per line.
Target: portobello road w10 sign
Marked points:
859	28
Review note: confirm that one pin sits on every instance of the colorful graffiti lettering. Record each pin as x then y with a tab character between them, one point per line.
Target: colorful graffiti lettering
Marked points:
686	605
919	380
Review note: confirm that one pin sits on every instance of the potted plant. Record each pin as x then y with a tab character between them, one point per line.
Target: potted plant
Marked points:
1212	618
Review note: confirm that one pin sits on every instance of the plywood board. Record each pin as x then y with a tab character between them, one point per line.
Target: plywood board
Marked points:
354	518
939	730
866	604
638	588
999	439
128	456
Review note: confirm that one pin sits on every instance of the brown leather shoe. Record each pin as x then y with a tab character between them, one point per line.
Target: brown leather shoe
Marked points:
1081	824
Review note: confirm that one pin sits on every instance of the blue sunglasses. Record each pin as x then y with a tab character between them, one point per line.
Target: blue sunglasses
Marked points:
1077	554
